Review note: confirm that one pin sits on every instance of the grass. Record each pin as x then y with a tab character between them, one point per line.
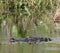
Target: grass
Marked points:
26	15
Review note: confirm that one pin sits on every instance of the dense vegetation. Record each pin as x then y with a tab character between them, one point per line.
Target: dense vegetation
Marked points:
28	17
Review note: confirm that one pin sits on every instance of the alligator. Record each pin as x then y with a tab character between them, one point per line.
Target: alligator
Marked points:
31	39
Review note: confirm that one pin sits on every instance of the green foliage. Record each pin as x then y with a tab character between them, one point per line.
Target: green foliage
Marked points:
28	13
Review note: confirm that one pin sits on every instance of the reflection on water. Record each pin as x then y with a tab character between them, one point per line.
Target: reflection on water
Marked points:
43	47
52	48
27	48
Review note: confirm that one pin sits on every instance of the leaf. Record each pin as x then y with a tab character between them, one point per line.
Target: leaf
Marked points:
1	17
14	31
31	2
39	1
27	10
20	3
